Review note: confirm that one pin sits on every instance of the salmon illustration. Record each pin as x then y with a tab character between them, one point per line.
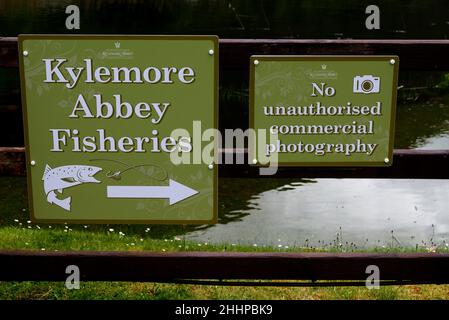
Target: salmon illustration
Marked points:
64	177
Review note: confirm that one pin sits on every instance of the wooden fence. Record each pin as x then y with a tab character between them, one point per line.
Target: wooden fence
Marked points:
213	267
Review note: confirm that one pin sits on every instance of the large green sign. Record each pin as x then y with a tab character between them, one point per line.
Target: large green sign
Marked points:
99	116
324	110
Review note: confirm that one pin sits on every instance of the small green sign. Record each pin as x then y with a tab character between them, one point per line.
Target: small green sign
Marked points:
99	116
324	110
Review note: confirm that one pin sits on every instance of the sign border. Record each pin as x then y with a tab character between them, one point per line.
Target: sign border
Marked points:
332	58
22	37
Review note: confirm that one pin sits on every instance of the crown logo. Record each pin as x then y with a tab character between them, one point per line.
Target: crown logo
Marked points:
117	45
323	66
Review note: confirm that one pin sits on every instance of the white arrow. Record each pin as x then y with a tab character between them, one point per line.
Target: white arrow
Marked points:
175	192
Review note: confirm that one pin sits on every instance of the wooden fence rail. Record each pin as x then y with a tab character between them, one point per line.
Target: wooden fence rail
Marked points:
234	53
144	266
417	164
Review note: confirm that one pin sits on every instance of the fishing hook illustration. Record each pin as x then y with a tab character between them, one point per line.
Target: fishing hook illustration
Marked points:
117	175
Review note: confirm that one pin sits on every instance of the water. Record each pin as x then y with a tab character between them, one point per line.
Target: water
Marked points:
313	212
423	125
326	212
366	213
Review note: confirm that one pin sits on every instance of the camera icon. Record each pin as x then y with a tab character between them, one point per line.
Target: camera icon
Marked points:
366	84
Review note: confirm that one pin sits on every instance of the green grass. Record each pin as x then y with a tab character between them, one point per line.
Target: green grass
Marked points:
156	291
16	232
